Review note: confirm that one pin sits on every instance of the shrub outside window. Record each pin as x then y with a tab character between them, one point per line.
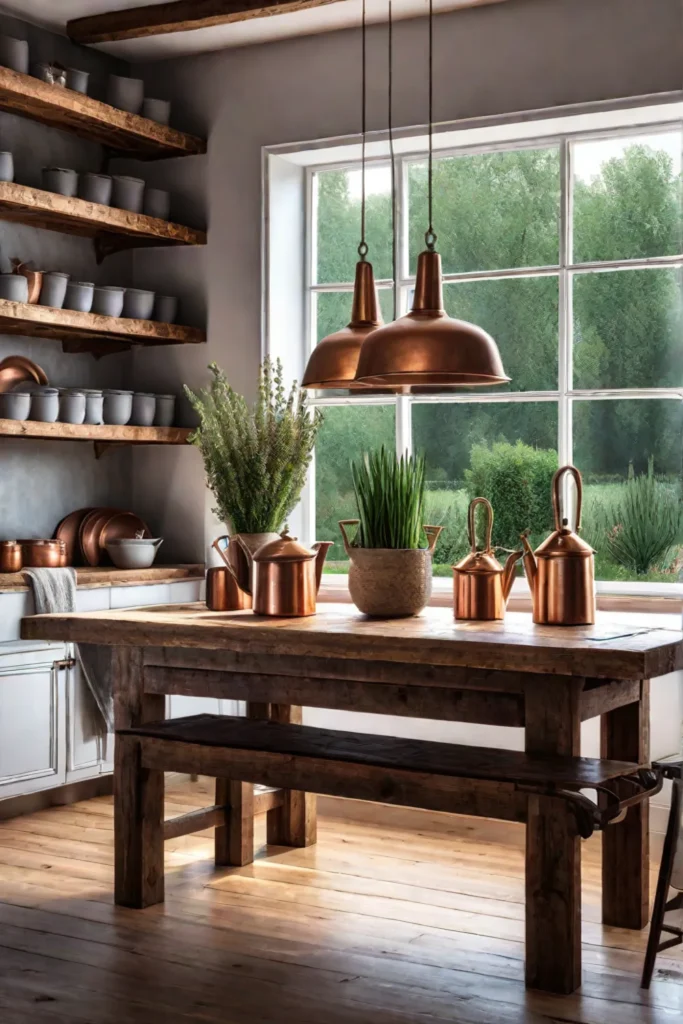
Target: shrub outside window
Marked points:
570	253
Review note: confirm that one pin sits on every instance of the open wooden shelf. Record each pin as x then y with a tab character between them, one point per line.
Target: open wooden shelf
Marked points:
94	577
112	229
103	437
91	119
91	332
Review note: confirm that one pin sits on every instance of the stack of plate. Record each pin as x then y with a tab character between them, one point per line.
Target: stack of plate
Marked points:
87	531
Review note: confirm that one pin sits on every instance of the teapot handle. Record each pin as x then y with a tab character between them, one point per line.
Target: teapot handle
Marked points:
347	542
471	531
557	497
221	548
432	534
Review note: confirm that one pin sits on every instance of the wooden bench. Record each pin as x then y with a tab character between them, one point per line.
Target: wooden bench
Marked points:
301	760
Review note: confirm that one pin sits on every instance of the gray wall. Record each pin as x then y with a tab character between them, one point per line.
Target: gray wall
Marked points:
496	59
41	481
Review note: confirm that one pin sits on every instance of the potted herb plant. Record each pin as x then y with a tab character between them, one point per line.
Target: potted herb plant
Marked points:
256	457
390	571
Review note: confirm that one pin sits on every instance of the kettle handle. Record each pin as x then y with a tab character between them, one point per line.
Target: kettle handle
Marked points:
557	498
342	524
471	524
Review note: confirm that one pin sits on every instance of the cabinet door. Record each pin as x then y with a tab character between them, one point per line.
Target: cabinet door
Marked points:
32	722
84	728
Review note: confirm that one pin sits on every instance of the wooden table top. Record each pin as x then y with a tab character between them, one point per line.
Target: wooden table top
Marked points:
610	649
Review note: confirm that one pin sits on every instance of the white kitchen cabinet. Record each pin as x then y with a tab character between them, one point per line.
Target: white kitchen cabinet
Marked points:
32	720
84	736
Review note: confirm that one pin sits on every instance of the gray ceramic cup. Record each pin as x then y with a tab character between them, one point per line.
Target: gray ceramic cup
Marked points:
108	300
77	80
157	203
138	304
126	93
79	296
165	309
62	180
156	110
15	405
144	409
95	188
118	406
6	167
12	288
127	193
14	54
165	411
72	407
53	290
45	405
94	403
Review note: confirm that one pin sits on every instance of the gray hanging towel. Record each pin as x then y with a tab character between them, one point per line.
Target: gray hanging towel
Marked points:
54	590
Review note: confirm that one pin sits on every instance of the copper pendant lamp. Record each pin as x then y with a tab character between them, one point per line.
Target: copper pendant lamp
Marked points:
427	348
334	360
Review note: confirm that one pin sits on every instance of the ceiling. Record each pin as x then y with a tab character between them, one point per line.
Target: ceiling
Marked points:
54	14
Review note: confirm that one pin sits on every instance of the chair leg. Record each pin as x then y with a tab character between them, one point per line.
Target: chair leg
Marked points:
138	828
295	822
663	885
234	838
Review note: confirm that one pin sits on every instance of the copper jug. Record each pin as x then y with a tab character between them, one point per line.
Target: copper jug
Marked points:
237	552
561	571
222	591
481	585
287	576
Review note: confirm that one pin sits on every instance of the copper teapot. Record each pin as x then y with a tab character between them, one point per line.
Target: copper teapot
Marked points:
287	576
481	585
561	571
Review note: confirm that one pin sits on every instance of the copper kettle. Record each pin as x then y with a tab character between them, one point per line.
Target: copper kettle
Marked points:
481	585
561	571
287	575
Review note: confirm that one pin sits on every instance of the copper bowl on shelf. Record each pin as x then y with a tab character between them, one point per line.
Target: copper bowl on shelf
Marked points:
43	554
10	556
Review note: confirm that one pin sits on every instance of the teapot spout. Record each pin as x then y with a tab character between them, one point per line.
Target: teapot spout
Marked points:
509	573
322	547
530	565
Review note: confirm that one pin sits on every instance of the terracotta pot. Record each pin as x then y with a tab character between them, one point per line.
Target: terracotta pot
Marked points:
390	583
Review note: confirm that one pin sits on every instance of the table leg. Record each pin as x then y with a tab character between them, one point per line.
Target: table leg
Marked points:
138	828
625	736
234	839
553	854
295	822
138	792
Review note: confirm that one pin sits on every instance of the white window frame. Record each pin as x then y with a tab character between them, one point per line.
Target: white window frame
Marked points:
613	123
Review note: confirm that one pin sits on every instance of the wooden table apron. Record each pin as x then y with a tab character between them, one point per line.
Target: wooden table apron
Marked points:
542	680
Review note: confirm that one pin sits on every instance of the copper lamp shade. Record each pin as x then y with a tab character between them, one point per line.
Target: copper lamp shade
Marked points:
334	360
428	348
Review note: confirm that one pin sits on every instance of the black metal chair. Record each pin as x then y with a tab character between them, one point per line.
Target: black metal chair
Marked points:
670	872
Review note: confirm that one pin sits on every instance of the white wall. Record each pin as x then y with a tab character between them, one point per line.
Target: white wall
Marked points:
489	60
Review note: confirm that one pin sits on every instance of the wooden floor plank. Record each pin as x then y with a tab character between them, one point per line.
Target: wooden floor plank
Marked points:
375	924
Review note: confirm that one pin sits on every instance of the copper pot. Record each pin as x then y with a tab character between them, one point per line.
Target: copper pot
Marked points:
10	556
43	554
481	585
561	571
33	277
286	576
223	593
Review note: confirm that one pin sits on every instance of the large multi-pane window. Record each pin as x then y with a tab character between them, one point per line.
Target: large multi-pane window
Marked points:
569	252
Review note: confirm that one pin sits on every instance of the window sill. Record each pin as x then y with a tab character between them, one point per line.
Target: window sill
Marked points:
610	597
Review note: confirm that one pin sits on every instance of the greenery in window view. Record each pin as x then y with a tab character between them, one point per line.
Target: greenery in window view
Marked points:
501	210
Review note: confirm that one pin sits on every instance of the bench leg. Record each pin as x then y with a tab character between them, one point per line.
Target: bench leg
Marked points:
234	840
625	736
138	828
553	852
295	822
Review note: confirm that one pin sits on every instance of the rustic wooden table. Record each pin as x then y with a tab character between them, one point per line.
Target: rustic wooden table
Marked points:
546	680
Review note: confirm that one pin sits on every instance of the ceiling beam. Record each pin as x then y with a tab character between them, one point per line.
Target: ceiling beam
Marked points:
188	16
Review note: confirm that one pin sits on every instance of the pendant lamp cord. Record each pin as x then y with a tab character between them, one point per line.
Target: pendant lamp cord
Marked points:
430	234
390	117
363	247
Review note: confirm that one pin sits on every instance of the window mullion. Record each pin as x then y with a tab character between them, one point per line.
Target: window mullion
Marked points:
566	330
